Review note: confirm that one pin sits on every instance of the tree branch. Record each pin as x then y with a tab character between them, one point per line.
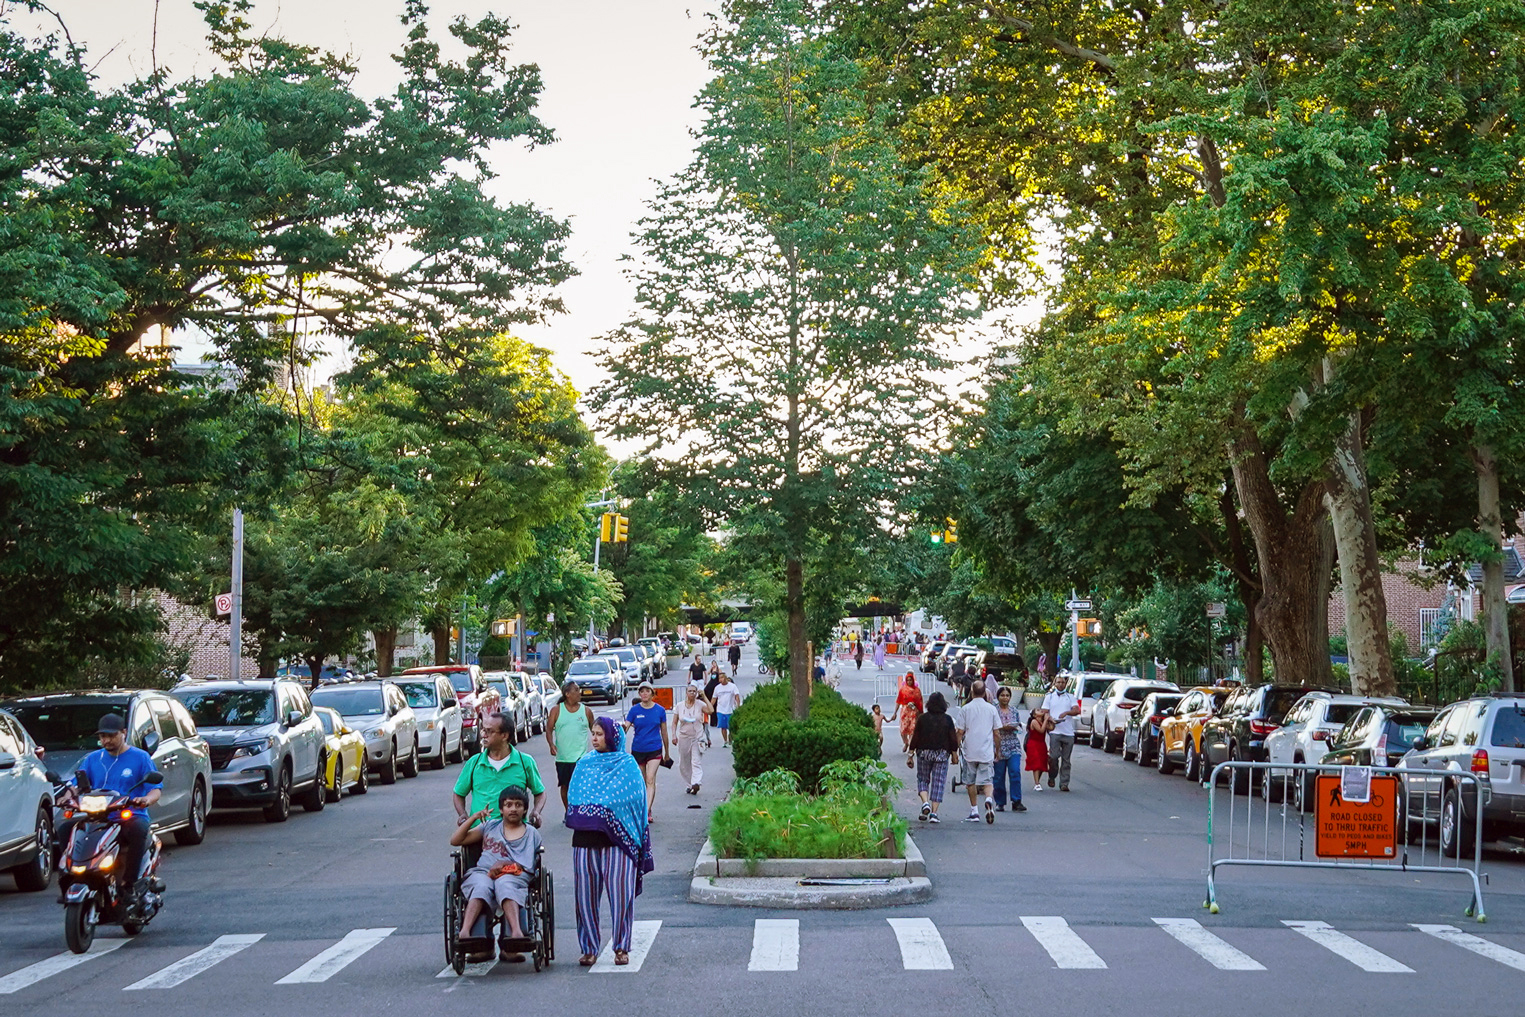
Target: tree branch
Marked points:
1065	46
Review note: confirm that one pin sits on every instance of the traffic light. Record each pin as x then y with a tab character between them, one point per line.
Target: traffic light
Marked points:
950	535
1089	628
606	527
937	536
621	529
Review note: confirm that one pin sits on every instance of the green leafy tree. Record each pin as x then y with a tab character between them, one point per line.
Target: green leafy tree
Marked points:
669	559
796	277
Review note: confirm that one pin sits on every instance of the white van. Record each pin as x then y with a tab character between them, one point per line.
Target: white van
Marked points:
741	632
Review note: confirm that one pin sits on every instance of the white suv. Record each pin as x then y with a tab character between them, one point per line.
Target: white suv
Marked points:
1485	737
1305	732
1109	717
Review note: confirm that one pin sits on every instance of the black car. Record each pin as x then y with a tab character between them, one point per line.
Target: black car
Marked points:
1143	730
996	665
930	654
954	661
1236	734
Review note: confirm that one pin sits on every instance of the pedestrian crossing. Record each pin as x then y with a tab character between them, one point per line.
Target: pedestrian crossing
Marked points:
921	946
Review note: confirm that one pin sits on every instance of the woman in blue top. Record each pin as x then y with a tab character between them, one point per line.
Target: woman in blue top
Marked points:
647	724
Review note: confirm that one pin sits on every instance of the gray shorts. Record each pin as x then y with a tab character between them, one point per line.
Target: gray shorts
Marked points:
976	773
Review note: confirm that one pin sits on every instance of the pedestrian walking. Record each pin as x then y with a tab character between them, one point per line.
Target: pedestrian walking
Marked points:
858	654
879	649
934	744
1008	754
1063	707
734	655
908	707
978	730
568	734
878	714
1038	725
688	731
611	843
727	697
696	669
647	723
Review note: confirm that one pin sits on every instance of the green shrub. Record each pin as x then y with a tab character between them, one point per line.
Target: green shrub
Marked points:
770	702
848	824
802	748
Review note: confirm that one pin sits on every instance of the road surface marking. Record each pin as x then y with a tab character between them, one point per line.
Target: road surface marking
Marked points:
186	968
34	973
641	938
337	957
1189	933
1068	950
472	970
1478	945
1353	950
775	945
921	945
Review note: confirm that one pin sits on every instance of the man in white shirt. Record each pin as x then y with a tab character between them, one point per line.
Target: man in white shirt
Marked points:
1063	706
727	696
979	725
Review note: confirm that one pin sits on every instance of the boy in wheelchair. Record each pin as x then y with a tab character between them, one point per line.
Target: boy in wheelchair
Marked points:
501	877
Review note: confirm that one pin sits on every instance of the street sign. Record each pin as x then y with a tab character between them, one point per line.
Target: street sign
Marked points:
1217	610
1354	829
1077	605
224	603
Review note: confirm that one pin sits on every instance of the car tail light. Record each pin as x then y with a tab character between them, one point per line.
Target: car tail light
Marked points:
1480	761
1156	718
1320	735
1262	727
1125	705
468	719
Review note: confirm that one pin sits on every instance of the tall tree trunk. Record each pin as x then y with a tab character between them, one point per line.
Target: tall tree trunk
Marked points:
1293	549
1247	584
440	633
1050	643
314	673
801	667
1490	523
1348	499
386	648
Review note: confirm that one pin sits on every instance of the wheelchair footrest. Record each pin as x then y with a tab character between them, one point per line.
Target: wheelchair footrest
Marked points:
523	944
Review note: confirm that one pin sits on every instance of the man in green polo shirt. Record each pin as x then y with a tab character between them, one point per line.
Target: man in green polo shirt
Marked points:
497	766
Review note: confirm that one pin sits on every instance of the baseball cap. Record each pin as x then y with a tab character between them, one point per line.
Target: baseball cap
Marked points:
111	724
645	685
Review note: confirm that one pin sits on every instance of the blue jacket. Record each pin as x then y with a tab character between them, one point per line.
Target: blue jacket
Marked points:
120	774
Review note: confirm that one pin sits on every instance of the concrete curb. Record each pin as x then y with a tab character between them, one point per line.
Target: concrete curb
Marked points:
775	882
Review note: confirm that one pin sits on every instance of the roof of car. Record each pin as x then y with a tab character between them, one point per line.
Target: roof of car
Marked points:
229	683
437	668
377	683
81	695
1346	699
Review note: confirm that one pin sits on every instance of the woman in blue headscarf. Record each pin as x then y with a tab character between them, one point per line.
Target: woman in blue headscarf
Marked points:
606	809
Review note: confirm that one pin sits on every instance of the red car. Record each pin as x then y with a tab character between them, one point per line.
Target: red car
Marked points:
478	699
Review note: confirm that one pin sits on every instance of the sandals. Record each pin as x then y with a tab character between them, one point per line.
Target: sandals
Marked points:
587	960
621	958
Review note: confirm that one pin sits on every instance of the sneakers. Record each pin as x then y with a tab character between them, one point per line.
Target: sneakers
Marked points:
1037	787
1018	807
1000	808
926	810
933	818
973	817
989	811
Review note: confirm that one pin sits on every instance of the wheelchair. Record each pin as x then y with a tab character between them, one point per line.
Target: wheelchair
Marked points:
537	918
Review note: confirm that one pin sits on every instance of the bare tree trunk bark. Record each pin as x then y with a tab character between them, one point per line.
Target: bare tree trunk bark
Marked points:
1490	524
1348	499
1050	643
440	633
1247	583
386	648
801	667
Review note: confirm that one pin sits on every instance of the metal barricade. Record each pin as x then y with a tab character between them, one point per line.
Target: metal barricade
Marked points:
1417	821
886	687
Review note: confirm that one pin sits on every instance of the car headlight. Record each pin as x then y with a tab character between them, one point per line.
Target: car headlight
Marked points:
376	734
253	748
427	725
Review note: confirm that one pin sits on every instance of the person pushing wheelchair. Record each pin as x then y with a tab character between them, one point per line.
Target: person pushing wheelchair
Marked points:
501	877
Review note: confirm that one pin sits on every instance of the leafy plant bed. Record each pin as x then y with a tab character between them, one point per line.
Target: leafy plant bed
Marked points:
769	817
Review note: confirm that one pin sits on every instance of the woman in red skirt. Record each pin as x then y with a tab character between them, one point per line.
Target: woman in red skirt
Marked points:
1039	724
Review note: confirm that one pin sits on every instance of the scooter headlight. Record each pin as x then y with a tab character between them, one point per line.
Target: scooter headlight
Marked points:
95	803
108	860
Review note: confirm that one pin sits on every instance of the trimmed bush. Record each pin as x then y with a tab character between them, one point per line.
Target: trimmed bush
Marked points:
765	737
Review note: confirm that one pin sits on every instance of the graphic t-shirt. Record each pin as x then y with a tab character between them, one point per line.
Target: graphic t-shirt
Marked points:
648	722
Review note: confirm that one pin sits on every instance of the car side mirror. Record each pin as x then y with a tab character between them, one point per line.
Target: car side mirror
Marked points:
293	718
1169	712
151	742
1421	743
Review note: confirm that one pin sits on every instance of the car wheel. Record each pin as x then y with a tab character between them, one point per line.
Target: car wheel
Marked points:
389	768
1193	761
333	793
315	797
1141	755
1239	780
410	768
195	829
1271	786
438	762
34	875
362	779
1110	741
1162	761
1096	741
279	810
1457	836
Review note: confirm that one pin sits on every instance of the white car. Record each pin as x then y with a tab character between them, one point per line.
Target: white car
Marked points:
1088	687
535	707
26	809
1003	644
625	660
1109	717
1305	733
512	702
438	712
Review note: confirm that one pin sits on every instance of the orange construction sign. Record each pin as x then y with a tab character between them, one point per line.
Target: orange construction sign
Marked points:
663	696
1350	829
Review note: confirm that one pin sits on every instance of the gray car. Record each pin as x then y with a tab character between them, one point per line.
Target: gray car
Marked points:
267	745
26	809
64	725
380	712
1485	737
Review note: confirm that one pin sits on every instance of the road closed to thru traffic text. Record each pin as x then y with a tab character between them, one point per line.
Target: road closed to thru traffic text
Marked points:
1351	829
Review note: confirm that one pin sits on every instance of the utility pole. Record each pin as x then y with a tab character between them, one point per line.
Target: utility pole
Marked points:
1074	631
236	621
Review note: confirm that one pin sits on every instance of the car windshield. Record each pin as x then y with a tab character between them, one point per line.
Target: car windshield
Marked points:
460	681
420	693
589	667
351	702
60	727
1509	727
625	653
1166	702
229	707
1279	701
1339	713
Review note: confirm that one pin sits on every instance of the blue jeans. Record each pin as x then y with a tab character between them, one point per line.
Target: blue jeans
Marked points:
1008	772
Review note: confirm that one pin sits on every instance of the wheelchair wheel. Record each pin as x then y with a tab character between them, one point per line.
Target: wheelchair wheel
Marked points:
454	911
548	916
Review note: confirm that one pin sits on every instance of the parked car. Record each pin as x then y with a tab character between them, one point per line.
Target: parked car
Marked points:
26	808
550	692
64	725
267	746
1237	734
625	659
988	665
1377	735
954	661
659	651
1484	736
1003	644
476	699
1141	735
346	756
656	661
513	702
598	676
380	712
1109	717
1303	737
437	710
929	655
1088	687
1181	730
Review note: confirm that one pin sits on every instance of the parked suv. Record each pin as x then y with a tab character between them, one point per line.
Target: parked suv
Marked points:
513	703
995	665
26	809
597	676
380	712
1181	730
1238	733
1303	737
1088	687
266	743
929	655
1109	717
626	659
437	712
64	724
1484	736
477	699
1378	735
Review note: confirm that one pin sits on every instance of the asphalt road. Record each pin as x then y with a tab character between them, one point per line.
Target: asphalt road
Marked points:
1056	908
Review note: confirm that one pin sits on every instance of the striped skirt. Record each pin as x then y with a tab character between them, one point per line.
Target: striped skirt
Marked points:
596	871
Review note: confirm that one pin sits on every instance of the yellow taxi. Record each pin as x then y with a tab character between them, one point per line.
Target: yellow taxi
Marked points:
346	755
1181	733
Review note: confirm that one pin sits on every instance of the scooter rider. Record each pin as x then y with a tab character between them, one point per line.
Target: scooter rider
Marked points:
121	768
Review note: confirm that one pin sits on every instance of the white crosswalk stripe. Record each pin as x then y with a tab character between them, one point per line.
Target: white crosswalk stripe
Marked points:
775	945
921	945
1358	953
186	968
56	964
337	957
1062	943
1477	944
472	970
1208	946
642	935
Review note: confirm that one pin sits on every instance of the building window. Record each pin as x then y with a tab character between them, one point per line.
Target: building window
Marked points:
1433	623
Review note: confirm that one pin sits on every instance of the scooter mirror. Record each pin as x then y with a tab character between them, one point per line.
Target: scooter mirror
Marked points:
53	776
153	779
82	781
